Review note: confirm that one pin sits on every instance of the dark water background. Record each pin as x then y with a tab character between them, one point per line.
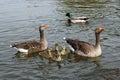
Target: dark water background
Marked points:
20	19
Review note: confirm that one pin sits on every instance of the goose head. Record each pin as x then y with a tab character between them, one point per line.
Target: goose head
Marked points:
99	30
42	27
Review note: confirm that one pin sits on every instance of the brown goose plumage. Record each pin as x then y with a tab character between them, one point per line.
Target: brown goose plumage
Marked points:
33	46
84	48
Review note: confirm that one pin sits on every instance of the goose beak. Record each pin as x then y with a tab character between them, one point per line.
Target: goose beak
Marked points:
46	26
101	29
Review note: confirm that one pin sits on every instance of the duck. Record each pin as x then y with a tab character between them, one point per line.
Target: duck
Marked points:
72	19
64	50
32	45
86	49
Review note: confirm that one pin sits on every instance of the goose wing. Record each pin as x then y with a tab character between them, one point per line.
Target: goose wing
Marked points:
28	45
81	46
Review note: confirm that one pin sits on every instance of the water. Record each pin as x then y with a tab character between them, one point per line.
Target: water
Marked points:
20	19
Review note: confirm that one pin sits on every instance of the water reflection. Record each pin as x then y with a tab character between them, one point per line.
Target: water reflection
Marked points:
88	8
18	18
70	57
22	55
85	3
45	55
103	74
73	58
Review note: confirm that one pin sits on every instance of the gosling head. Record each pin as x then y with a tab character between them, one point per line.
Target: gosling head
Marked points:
64	50
56	46
49	51
63	47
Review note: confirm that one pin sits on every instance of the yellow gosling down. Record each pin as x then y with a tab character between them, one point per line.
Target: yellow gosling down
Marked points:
46	53
64	50
56	47
56	55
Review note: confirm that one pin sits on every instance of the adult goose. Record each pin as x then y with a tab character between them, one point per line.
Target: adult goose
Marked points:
32	45
84	48
76	19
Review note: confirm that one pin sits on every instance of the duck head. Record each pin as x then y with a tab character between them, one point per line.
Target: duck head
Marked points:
69	15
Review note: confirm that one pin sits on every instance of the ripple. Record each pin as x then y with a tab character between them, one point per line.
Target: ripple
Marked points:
20	19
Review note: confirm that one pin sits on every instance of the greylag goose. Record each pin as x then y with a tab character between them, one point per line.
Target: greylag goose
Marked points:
84	48
76	19
33	46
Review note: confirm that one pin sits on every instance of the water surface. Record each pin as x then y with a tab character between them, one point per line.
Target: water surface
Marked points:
20	19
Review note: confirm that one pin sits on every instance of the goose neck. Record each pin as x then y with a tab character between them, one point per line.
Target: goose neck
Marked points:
97	39
42	37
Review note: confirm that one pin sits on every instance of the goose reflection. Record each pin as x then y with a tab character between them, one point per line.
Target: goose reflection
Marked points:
73	58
